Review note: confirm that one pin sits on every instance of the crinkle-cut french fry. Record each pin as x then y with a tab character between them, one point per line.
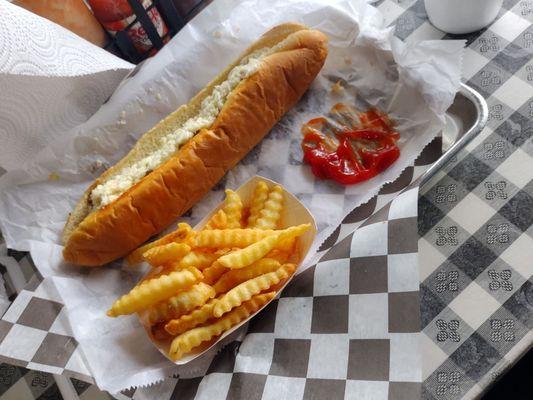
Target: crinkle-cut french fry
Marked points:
233	209
212	273
258	200
246	290
270	215
188	340
197	259
279	255
219	238
292	232
178	235
184	228
250	254
286	244
166	253
188	321
181	303
236	276
153	291
218	221
243	257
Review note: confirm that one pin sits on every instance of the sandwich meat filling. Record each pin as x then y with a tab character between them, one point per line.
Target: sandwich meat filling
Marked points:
210	107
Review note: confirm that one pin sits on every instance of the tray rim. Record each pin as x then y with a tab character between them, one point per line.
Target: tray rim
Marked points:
482	109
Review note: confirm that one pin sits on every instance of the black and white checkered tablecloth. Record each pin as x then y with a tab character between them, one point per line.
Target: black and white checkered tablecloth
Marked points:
475	218
475	250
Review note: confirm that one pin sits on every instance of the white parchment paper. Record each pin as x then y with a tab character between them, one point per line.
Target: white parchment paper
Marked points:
414	83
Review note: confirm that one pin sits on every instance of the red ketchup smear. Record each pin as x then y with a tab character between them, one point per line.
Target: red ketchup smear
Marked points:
350	146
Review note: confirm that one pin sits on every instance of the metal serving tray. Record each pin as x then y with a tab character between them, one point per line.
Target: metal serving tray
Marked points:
465	119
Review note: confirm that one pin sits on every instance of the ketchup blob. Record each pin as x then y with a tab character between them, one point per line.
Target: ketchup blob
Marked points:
350	146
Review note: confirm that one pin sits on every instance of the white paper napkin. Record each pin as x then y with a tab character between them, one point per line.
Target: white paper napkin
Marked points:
50	81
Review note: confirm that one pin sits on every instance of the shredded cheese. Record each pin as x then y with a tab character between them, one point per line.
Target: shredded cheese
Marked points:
114	187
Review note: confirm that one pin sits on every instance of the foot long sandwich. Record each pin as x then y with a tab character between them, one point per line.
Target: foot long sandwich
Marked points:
174	164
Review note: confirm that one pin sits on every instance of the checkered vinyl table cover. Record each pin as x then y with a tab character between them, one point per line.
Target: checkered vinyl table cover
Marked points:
476	216
475	246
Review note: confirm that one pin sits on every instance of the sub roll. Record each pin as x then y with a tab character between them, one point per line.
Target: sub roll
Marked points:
174	164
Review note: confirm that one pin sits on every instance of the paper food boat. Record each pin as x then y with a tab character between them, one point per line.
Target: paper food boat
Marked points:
294	213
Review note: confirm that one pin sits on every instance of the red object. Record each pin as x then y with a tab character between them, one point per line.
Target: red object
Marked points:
350	147
116	15
71	14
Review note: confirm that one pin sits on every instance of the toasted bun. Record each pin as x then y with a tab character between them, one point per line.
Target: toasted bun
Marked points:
252	109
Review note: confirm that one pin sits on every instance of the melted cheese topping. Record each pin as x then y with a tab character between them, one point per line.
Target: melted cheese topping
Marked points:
110	190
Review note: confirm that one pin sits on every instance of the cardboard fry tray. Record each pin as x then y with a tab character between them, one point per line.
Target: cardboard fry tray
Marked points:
293	213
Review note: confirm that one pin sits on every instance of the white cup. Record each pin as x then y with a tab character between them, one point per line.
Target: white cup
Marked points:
462	16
